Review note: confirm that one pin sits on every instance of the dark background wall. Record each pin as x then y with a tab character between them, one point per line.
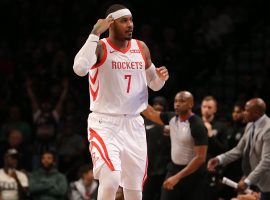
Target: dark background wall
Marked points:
218	48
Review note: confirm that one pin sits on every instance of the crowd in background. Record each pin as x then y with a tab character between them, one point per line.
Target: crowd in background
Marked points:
43	105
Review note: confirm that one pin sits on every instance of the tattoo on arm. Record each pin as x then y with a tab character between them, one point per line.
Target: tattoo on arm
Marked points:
99	51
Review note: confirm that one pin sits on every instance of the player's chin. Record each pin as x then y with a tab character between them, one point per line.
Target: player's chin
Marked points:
129	36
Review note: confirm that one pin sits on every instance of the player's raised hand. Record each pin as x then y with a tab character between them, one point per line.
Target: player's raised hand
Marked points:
162	73
102	25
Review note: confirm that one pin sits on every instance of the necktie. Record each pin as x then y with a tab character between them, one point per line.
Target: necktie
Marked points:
245	161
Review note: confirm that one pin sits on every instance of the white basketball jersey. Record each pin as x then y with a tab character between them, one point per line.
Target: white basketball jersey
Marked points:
118	83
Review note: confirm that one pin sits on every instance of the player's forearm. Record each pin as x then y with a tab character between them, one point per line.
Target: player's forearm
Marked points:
86	57
153	115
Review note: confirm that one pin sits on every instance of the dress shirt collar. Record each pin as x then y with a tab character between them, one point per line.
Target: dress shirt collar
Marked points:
258	121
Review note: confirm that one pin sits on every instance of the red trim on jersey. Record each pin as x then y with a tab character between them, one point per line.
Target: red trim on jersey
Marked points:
93	80
117	48
145	172
94	93
141	49
103	58
93	134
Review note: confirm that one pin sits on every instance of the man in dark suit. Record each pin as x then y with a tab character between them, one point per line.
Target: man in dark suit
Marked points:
254	148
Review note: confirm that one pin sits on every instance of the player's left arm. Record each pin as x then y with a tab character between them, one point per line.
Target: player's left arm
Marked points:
156	77
153	115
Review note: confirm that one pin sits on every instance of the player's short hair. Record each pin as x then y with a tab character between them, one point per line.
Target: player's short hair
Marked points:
114	8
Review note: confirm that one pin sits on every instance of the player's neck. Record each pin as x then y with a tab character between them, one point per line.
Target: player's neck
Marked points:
121	44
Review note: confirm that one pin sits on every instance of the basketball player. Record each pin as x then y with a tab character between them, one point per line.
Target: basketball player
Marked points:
120	69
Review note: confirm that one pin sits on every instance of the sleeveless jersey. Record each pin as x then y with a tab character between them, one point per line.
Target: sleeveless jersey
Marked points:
118	83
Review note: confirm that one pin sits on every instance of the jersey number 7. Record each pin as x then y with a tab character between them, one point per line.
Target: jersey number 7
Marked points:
128	77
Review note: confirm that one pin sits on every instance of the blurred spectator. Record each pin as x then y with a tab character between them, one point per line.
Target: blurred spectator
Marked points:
47	182
15	141
217	143
15	121
236	130
86	187
60	65
158	147
70	148
219	26
13	183
46	121
233	171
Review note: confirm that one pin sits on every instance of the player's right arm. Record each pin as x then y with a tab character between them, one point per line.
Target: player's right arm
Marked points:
92	50
153	115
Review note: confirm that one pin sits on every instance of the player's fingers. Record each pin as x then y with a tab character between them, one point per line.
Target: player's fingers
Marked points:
161	68
164	72
109	19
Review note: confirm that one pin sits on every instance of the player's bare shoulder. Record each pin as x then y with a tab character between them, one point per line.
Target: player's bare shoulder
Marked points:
100	48
146	53
144	48
99	51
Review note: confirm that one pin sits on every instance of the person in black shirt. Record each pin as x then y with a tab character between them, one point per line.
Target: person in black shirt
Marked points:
217	143
158	152
235	132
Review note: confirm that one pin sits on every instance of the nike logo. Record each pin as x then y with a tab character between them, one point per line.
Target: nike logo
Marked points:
112	51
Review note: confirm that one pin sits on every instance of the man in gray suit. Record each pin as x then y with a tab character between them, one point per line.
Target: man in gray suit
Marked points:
254	147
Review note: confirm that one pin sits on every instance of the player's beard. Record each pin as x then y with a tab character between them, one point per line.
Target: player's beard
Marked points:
129	36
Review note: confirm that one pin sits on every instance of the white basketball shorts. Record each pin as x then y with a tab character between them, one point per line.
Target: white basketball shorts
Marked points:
119	141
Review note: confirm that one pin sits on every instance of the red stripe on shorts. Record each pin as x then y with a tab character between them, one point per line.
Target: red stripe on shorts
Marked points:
145	172
93	134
